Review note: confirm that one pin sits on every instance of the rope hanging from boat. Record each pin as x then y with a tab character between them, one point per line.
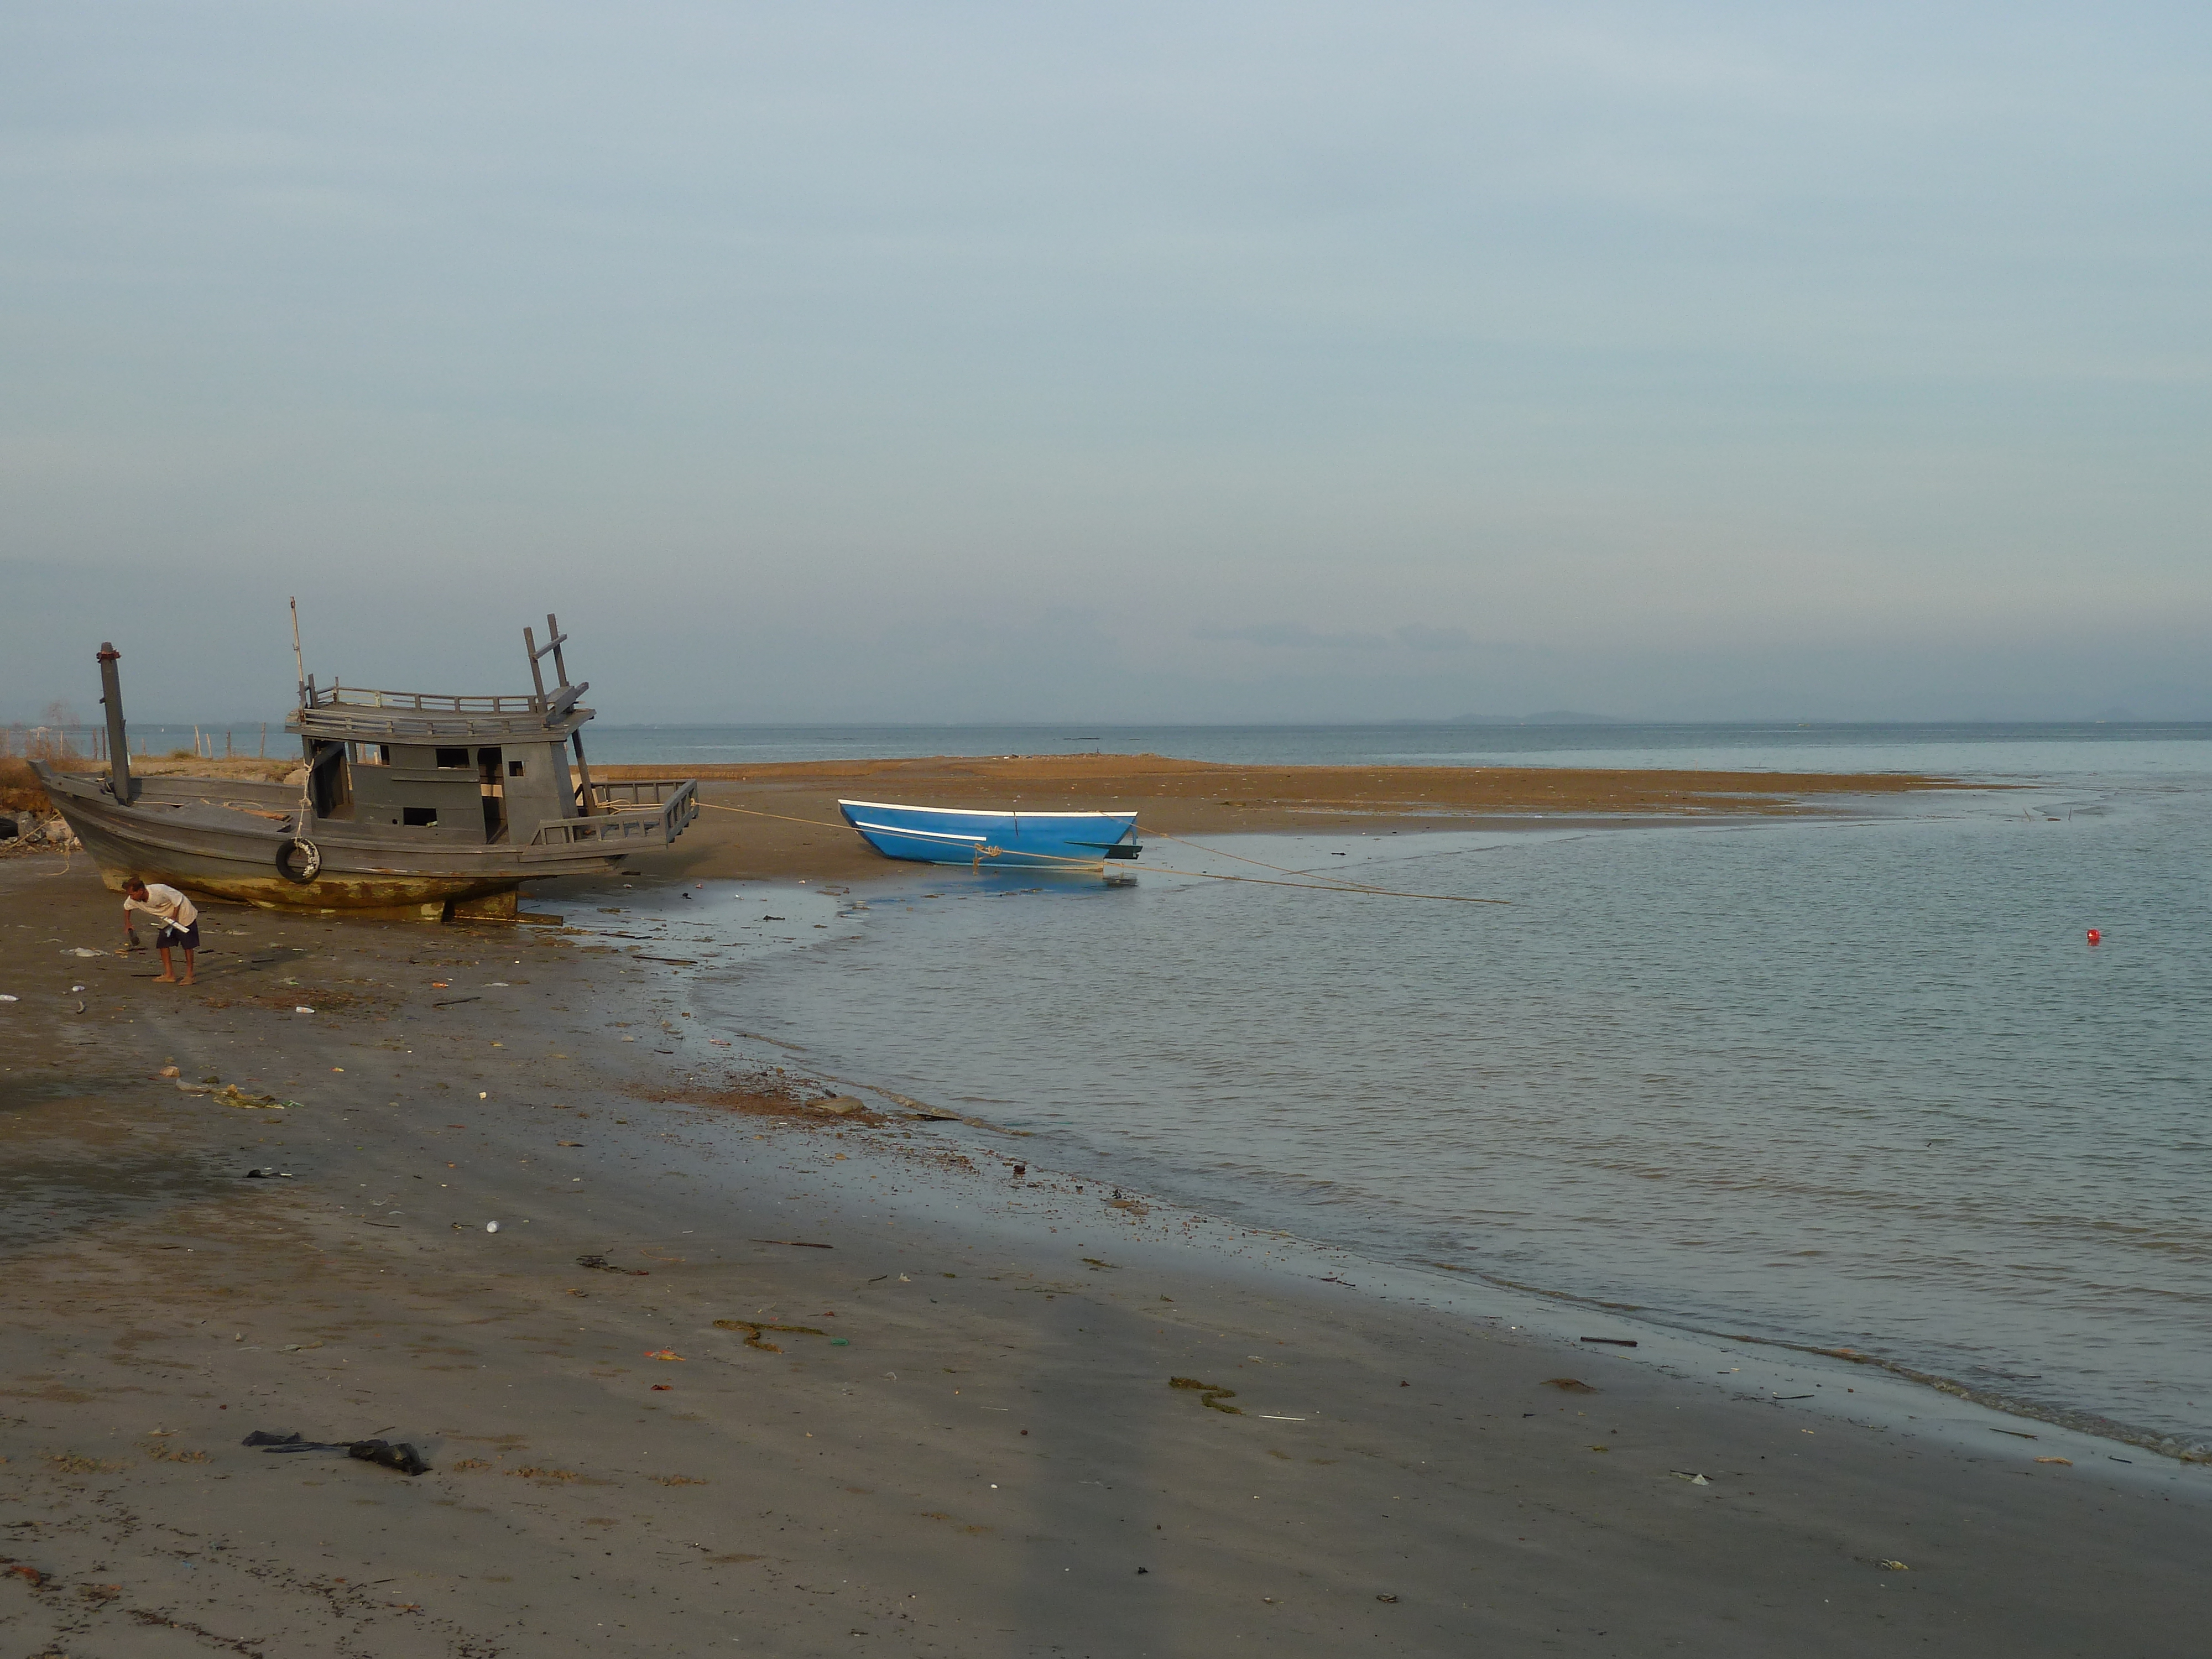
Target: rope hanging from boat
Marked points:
1325	885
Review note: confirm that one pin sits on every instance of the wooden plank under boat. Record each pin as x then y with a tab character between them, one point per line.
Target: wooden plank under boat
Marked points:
949	834
409	803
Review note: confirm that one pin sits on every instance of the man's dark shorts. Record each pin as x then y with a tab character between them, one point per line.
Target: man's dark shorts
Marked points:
173	938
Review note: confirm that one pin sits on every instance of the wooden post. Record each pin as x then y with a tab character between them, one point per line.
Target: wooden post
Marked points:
119	741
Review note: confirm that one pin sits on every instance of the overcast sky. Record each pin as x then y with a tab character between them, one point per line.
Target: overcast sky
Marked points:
1137	362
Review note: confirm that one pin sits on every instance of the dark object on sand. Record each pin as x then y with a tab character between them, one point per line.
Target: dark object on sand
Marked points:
1211	1395
402	1457
1569	1385
266	1172
7	830
455	1002
407	803
606	1265
794	1244
1613	1342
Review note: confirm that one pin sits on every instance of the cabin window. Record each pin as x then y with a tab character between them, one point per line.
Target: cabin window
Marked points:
514	768
371	754
453	757
423	817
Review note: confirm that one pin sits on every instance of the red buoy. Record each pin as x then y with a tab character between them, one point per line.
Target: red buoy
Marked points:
2095	938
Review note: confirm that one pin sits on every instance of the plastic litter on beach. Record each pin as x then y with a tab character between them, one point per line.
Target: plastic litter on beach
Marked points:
1893	1566
792	1243
1569	1385
1695	1480
303	1009
491	1226
264	1174
8	998
1613	1342
2068	1461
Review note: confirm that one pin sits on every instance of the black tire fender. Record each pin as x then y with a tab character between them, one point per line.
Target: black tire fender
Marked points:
310	860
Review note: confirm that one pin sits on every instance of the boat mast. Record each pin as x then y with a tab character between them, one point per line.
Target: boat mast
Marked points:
553	639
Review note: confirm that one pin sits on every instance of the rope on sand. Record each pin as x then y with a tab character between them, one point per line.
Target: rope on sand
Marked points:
1086	866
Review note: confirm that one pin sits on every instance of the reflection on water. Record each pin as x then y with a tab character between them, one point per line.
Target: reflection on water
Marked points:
1856	1084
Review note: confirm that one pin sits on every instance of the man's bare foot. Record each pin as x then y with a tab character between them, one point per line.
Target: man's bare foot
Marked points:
187	980
165	979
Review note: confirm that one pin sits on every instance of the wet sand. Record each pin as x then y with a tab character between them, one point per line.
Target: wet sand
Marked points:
781	820
954	1432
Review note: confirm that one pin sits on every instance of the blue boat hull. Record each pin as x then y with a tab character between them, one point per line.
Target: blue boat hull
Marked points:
943	834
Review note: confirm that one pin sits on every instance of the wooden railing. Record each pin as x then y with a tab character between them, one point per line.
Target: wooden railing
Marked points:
424	703
652	812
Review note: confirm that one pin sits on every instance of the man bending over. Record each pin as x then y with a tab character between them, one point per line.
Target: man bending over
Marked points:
178	917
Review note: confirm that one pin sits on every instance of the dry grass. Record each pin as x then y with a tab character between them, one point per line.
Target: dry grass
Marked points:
19	791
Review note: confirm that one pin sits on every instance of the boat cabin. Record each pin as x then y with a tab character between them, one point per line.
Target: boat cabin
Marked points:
440	768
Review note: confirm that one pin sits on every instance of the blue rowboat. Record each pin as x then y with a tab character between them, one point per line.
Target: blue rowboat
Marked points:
949	834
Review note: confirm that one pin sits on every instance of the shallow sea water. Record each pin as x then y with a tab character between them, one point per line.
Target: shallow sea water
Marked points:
1853	1084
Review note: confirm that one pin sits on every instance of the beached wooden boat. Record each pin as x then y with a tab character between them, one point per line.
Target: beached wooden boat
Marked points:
949	834
406	803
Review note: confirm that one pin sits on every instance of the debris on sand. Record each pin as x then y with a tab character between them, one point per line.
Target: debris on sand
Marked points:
231	1095
1569	1385
606	1265
752	1328
1211	1395
382	1452
402	1457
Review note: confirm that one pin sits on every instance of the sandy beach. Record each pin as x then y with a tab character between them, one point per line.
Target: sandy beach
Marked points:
740	1372
782	819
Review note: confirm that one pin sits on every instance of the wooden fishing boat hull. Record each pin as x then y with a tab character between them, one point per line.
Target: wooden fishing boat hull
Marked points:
223	838
944	835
